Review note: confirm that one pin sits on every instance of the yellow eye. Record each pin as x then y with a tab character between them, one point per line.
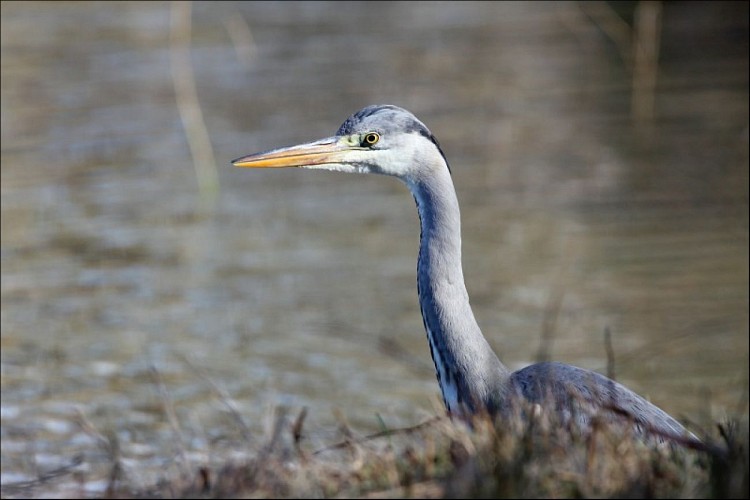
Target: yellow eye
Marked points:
370	139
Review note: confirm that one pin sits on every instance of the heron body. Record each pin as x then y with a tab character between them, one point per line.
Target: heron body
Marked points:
389	140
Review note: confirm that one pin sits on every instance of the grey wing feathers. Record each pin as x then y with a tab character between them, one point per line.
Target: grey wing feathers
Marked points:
582	393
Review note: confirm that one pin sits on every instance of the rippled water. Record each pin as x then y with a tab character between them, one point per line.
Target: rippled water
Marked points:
121	281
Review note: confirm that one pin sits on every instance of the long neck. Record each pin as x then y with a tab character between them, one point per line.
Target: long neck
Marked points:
470	375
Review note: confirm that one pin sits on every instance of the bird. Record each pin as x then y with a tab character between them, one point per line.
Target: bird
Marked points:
389	140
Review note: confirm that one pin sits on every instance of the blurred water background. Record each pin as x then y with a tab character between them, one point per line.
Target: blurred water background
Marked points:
601	187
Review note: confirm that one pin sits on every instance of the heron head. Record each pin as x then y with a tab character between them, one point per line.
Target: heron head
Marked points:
380	139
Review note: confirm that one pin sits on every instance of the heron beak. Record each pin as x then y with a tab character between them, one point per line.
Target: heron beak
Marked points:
322	152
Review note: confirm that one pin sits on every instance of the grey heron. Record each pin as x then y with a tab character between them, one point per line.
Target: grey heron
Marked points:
388	140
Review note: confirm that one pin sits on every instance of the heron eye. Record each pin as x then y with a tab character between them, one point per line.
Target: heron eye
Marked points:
370	139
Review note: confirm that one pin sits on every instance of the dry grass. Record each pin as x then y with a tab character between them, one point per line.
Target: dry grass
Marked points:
511	457
442	458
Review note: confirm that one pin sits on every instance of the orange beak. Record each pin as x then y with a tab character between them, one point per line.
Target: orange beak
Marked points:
322	152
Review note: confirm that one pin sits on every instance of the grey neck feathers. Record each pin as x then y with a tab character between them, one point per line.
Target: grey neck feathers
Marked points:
470	375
